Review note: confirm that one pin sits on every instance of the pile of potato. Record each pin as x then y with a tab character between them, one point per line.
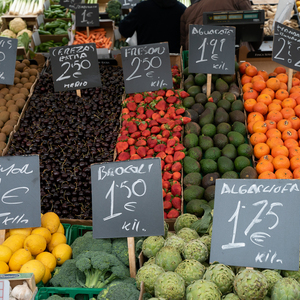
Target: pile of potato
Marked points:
13	97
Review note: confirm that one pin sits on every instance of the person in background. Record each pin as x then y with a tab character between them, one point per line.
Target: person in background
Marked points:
155	21
194	14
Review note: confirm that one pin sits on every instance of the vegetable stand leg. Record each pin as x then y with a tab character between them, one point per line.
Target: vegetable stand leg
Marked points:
290	76
208	92
131	254
87	31
78	92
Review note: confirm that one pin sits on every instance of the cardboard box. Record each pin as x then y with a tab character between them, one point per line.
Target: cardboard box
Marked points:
31	21
17	279
102	5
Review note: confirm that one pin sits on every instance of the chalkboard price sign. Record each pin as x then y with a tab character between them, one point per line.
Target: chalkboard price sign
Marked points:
286	46
211	49
127	199
127	4
87	15
256	223
20	204
146	67
75	67
69	3
8	52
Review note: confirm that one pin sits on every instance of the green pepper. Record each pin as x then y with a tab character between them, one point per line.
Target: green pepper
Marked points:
60	31
43	32
56	6
65	40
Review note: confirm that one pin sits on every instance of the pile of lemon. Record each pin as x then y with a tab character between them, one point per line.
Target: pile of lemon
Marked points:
298	5
35	250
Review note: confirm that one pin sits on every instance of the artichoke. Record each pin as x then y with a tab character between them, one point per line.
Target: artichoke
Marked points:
250	284
148	274
203	290
292	274
175	241
195	249
190	270
169	285
230	296
187	234
152	245
285	289
222	276
150	261
272	277
166	228
206	239
185	220
168	258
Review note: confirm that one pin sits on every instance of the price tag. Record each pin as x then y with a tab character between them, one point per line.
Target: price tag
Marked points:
127	198
75	67
146	67
69	3
211	49
87	15
286	46
127	4
256	223
20	192
8	53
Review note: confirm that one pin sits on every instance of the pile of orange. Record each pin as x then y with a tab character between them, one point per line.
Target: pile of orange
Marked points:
273	120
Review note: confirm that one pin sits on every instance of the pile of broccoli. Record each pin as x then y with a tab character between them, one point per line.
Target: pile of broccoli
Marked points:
114	10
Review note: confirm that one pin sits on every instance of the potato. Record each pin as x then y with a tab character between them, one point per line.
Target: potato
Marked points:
12	108
20	103
2	145
7	129
4	116
14	116
2	136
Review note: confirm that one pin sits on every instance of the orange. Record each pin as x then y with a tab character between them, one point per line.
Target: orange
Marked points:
243	66
280	150
251	70
269	92
258	137
290	133
259	85
296	173
259	126
280	162
289	143
297	110
257	78
267	175
255	116
248	105
265	98
295	162
295	122
263	166
260	107
270	124
260	150
274	141
294	95
247	86
246	79
295	89
275	100
289	102
251	94
295	81
273	132
284	124
274	106
274	115
282	78
283	86
293	151
273	83
280	70
264	74
250	127
281	94
284	174
267	157
287	112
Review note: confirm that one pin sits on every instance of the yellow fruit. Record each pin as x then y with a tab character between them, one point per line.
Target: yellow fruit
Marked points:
47	259
62	252
7	234
298	8
61	229
50	220
56	239
12	272
43	232
47	275
3	267
35	243
36	267
298	3
25	231
15	242
18	259
5	253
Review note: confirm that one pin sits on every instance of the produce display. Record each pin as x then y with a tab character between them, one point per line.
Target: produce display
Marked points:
96	36
26	7
57	27
56	11
44	47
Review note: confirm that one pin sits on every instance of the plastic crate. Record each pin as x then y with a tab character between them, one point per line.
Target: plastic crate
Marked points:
75	293
76	231
185	58
67	228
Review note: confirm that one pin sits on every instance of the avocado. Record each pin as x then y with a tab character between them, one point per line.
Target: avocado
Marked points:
229	78
229	96
190	113
214	77
188	102
225	164
194	90
231	175
198	107
205	142
194	207
239	127
200	79
206	117
193	178
190	140
190	165
215	96
221	116
209	130
220	140
212	105
223	128
213	153
211	203
210	179
192	127
237	115
234	89
235	138
245	150
241	162
209	193
204	88
248	173
201	98
193	192
186	72
221	85
224	104
188	82
237	105
229	151
195	153
208	166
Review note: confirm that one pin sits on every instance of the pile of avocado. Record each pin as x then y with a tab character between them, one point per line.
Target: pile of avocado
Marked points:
215	139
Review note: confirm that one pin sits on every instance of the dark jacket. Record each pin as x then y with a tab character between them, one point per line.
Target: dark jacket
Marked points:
155	21
194	14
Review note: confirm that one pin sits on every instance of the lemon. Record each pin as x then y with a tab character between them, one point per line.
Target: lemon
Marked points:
298	8
25	231
50	220
62	252
5	253
3	267
298	3
12	272
18	259
61	229
15	242
35	243
47	275
43	232
48	259
56	239
36	267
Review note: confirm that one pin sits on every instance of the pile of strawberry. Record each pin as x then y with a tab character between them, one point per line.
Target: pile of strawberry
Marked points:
176	77
152	127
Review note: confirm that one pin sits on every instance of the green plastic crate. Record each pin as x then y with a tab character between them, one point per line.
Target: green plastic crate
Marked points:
76	231
185	58
67	228
75	293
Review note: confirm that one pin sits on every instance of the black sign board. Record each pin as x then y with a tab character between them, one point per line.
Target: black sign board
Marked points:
127	4
286	46
69	3
127	198
20	204
75	67
211	49
8	53
87	15
256	223
146	67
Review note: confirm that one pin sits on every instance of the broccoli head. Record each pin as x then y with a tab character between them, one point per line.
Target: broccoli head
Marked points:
100	268
114	10
120	250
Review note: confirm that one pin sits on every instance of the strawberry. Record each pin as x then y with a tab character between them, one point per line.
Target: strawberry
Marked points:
171	99
179	147
135	135
143	125
178	155
161	105
166	176
121	146
141	151
176	202
162	155
160	148
150	152
140	143
140	110
184	94
153	123
186	120
155	116
166	186
180	111
131	106
122	138
130	141
176	176
132	128
169	195
124	156
173	213
151	142
148	99
146	133
141	117
177	134
169	150
169	93
149	113
171	142
138	98
167	205
161	93
176	167
165	133
169	159
167	166
162	120
162	164
135	156
155	129
176	189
